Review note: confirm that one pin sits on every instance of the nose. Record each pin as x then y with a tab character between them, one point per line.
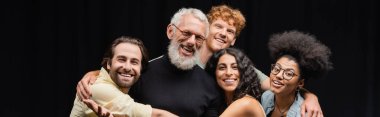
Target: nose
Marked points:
127	66
191	41
223	33
280	75
229	72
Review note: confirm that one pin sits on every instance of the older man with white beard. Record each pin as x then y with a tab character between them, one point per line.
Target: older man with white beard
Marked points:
174	81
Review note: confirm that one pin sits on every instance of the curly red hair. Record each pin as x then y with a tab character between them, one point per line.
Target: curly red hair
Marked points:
232	16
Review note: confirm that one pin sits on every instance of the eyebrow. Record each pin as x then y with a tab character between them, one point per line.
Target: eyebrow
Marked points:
227	64
284	68
221	64
135	59
120	56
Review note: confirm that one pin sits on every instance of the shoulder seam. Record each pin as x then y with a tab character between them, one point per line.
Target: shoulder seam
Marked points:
155	58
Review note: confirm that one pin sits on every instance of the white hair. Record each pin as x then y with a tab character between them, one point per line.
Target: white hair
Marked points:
195	12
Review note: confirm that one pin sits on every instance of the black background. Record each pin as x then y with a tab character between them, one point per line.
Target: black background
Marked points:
50	44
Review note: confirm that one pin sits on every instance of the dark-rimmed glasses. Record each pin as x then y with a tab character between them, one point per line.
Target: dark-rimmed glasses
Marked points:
287	74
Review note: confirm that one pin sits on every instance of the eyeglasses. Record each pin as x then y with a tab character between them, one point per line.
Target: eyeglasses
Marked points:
187	34
287	74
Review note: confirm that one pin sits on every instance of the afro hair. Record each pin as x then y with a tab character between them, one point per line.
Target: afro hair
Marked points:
311	55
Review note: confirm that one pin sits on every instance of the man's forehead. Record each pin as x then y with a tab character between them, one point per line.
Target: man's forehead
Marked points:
229	21
128	49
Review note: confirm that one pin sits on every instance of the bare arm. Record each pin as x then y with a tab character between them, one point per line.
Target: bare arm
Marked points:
245	106
264	79
265	84
310	105
162	113
83	89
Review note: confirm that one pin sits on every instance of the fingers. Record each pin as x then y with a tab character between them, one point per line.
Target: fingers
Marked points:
321	114
81	97
310	113
82	91
99	113
87	80
303	109
111	115
108	114
99	110
90	104
316	114
85	88
103	112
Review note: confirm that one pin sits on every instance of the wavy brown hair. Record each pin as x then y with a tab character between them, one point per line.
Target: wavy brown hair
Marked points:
125	39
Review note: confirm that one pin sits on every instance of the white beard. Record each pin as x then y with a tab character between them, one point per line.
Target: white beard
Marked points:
181	62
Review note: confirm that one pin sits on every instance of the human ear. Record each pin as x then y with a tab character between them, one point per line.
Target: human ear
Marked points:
109	64
301	83
233	42
169	31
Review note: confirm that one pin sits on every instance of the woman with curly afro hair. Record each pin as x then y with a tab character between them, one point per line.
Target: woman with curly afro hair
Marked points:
236	76
299	57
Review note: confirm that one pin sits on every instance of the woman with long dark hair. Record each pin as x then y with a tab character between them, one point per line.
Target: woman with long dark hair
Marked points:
236	76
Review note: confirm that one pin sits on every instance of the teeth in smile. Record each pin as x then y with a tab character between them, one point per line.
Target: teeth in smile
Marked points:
126	75
229	80
277	82
188	49
220	40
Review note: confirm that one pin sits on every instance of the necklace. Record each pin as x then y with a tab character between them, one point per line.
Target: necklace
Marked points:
282	112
